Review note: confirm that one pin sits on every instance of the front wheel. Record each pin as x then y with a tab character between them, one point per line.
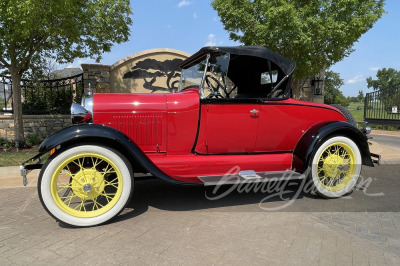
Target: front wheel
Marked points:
85	185
336	166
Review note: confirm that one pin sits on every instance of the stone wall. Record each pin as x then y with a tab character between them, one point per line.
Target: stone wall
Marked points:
40	125
98	76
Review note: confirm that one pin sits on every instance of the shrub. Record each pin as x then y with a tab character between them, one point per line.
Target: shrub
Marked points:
33	139
6	143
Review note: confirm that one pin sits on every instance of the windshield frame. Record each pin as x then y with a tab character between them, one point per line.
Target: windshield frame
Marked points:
197	62
214	64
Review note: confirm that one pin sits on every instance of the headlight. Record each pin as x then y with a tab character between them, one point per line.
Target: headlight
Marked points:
366	130
82	113
87	102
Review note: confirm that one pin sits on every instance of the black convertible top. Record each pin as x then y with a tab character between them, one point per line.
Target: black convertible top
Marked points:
284	64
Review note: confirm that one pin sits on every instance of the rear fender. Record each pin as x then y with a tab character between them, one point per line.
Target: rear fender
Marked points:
318	133
109	137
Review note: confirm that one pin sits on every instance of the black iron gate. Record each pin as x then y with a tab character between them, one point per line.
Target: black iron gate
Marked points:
44	96
382	109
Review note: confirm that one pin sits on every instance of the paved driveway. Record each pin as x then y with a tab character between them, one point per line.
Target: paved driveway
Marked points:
166	224
393	141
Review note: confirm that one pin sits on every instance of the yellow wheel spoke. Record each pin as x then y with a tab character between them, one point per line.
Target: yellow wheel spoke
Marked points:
96	162
337	150
63	186
61	189
68	198
79	184
96	204
69	172
111	184
330	183
78	164
323	179
108	171
81	206
107	196
108	201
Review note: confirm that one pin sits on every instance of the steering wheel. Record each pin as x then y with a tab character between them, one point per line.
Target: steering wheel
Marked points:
214	89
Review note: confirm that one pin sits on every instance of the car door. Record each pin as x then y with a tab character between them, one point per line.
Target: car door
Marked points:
227	127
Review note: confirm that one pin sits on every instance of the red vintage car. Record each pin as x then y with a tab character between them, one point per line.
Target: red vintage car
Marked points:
232	119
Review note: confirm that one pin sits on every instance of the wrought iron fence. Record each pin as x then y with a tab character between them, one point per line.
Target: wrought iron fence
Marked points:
44	96
382	108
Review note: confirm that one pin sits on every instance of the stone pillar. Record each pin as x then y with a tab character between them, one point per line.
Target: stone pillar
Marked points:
98	76
303	89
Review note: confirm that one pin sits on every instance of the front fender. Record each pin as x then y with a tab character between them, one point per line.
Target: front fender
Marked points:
318	133
109	137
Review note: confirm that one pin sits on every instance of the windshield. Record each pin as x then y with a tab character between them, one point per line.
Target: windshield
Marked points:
217	71
192	76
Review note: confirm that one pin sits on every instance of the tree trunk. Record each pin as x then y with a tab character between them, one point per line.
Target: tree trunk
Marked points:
296	90
19	137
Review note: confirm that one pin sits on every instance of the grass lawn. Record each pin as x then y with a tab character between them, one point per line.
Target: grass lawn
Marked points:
15	158
359	116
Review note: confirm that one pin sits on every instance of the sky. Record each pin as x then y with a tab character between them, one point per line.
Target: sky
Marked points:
188	25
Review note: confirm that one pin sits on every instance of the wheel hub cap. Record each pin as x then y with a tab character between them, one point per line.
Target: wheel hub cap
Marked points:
87	188
333	165
88	184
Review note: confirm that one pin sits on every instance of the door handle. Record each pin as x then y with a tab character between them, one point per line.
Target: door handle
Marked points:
254	111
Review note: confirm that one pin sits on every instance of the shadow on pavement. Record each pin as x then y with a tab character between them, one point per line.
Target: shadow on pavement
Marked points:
377	191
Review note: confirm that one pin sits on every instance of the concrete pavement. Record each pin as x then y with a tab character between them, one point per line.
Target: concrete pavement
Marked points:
176	225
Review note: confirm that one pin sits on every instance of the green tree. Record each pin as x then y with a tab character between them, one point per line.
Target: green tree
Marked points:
360	96
67	29
313	33
387	82
332	94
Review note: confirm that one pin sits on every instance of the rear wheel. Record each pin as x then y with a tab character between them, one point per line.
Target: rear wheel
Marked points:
349	117
85	185
336	166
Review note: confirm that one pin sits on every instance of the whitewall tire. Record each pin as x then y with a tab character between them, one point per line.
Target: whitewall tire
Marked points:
336	167
85	185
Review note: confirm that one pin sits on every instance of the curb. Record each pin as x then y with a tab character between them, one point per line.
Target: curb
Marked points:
10	177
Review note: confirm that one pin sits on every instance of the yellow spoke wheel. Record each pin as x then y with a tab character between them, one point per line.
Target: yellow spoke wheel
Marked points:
336	166
85	185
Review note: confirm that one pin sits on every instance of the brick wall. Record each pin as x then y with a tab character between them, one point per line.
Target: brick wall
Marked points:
40	125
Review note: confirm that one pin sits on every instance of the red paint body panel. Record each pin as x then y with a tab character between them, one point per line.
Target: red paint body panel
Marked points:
182	119
282	123
227	129
142	117
189	167
166	127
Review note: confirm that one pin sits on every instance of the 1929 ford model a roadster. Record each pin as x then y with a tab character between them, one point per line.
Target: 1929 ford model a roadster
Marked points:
231	117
